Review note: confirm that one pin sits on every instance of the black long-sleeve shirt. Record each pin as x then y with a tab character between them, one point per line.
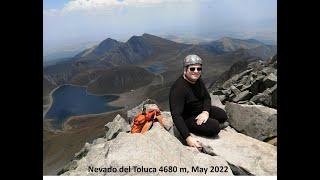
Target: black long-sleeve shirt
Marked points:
187	100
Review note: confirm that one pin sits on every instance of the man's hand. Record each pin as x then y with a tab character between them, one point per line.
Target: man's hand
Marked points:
193	143
202	118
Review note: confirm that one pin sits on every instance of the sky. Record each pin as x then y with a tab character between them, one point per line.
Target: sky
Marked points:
82	21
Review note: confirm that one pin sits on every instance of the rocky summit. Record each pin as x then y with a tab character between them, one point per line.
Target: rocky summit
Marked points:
146	66
160	151
248	146
255	85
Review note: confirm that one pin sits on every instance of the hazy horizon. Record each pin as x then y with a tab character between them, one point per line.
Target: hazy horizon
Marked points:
77	24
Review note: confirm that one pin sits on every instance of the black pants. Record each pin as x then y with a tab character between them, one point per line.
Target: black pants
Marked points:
211	127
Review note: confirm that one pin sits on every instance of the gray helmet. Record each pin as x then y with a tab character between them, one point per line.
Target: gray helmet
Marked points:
192	59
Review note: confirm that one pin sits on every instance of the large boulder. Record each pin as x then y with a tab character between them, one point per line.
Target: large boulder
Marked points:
243	152
215	101
119	124
257	121
150	151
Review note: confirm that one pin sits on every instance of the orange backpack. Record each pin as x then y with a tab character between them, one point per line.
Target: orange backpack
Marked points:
144	120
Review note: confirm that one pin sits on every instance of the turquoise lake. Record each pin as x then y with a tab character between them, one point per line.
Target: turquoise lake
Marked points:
71	100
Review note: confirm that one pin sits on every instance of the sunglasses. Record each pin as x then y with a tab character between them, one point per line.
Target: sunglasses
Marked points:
193	69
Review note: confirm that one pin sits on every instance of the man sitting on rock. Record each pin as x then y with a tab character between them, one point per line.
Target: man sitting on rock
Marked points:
190	104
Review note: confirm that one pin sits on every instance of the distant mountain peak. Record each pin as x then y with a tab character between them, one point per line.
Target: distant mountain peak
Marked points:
144	36
225	44
134	38
108	41
106	45
148	35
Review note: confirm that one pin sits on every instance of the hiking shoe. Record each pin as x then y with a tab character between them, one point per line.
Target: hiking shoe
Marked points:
224	125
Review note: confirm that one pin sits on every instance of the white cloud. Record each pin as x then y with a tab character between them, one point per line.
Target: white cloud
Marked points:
98	5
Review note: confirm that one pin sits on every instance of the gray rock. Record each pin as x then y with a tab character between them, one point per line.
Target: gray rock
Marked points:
251	103
239	86
268	97
154	149
254	74
235	90
169	125
247	102
235	78
269	81
245	95
117	125
251	80
167	120
262	99
245	87
260	73
244	73
245	80
222	98
273	89
257	121
256	85
246	153
215	101
229	98
230	81
227	92
268	70
218	92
